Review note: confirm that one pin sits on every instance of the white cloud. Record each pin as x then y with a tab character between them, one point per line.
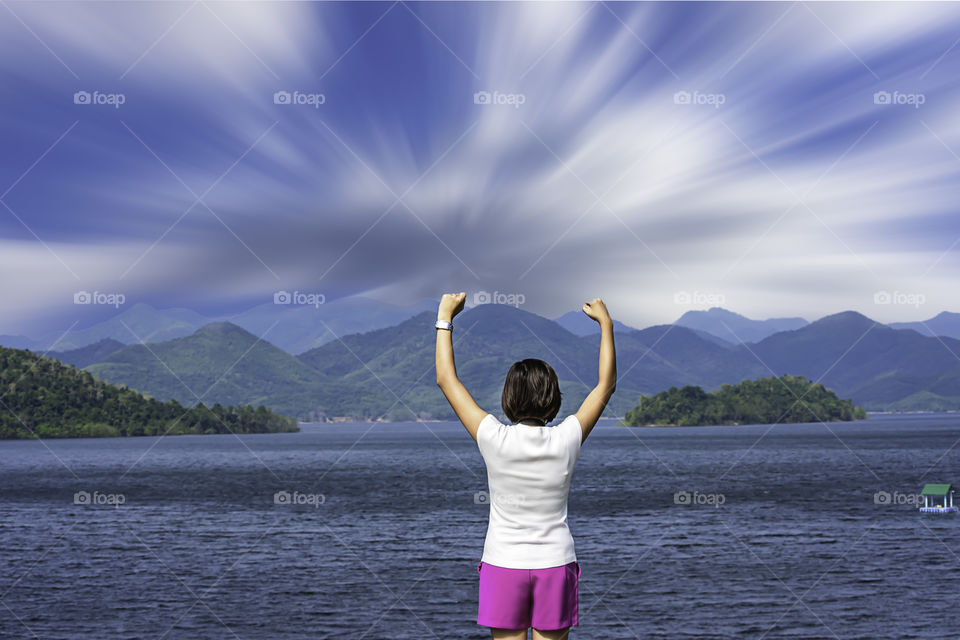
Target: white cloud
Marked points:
500	199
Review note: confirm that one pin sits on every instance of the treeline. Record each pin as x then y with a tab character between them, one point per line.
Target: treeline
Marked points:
42	397
760	401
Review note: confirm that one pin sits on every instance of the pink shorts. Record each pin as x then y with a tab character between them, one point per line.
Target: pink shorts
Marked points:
544	599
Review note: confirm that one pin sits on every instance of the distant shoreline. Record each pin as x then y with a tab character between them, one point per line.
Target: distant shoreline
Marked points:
342	420
381	421
879	413
616	421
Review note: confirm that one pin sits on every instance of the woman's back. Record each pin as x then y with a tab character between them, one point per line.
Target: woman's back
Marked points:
529	469
529	574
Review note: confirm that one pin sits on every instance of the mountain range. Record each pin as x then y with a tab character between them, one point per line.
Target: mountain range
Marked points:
944	323
735	328
387	373
139	322
292	327
296	328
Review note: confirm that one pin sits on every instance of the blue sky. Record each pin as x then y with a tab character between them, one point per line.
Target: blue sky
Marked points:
777	159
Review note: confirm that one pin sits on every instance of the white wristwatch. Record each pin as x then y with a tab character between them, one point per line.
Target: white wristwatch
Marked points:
443	324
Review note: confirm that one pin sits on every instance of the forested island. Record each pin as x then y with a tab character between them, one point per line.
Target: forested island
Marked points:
43	398
760	401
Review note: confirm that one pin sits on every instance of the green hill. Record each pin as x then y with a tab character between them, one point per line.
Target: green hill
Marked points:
926	401
42	397
762	401
90	354
786	399
223	363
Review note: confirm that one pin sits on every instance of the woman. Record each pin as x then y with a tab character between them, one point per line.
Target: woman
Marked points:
529	572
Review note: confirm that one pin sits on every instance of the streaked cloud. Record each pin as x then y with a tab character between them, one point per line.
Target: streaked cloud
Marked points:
735	148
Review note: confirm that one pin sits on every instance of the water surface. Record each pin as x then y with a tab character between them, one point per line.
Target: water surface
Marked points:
782	535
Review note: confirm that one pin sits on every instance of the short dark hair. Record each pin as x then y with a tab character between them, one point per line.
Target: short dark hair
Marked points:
531	390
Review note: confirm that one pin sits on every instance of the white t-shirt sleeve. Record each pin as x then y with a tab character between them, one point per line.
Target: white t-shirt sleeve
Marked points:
486	431
573	431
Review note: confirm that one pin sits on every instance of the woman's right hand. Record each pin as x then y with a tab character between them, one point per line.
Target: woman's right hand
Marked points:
596	310
450	305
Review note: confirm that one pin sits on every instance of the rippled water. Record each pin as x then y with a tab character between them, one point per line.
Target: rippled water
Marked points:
387	533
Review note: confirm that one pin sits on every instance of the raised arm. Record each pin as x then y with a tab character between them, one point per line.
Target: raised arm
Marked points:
596	401
457	395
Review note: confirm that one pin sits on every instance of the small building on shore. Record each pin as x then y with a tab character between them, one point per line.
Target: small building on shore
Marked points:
937	498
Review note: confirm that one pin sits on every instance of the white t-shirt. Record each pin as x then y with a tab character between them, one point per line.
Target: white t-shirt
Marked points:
528	472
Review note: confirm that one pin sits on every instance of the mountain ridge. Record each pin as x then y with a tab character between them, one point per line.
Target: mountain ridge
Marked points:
387	372
736	328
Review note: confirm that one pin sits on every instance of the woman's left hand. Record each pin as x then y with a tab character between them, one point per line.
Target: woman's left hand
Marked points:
450	305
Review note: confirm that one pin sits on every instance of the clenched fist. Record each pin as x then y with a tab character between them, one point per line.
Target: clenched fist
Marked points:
596	310
450	305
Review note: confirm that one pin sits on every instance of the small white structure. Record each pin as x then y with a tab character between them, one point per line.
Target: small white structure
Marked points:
937	498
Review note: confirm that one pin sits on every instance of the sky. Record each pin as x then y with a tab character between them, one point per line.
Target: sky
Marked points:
776	159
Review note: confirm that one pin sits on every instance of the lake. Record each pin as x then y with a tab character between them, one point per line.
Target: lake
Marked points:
375	531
